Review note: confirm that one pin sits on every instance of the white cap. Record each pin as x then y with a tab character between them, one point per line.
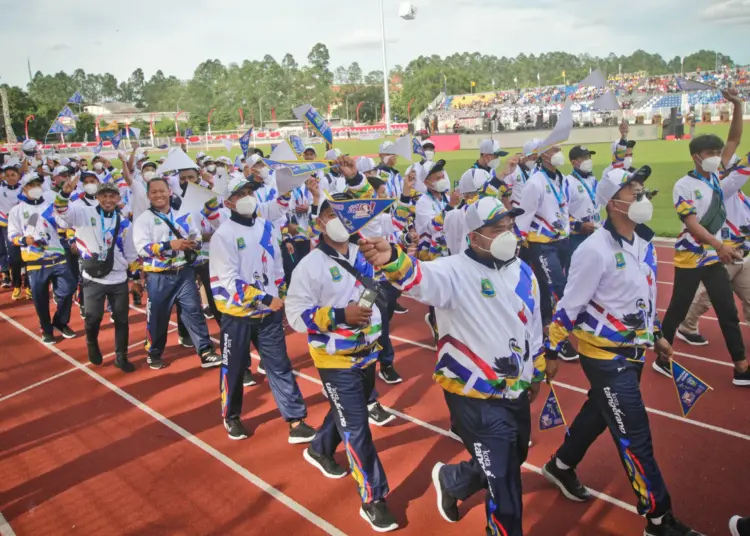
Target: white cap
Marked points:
365	164
140	154
29	146
200	155
386	147
30	177
236	182
428	141
615	180
472	180
491	147
251	160
61	170
531	146
486	211
11	162
310	148
333	154
75	157
224	160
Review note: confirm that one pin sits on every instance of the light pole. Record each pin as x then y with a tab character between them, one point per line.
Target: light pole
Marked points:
385	73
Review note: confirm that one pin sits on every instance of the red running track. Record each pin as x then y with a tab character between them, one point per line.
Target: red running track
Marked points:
90	450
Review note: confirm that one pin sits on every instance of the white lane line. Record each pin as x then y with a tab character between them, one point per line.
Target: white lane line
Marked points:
650	410
5	528
319	522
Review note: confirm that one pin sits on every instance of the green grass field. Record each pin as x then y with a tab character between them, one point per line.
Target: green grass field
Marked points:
669	160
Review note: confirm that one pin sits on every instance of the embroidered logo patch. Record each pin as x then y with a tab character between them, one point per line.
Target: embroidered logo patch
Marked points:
549	191
335	274
698	194
580	188
157	220
93	222
241	243
620	260
488	291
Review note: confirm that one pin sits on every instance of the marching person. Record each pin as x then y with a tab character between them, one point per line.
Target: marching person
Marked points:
247	281
527	166
488	377
490	154
167	241
394	182
33	227
106	250
581	187
610	306
11	262
545	226
328	301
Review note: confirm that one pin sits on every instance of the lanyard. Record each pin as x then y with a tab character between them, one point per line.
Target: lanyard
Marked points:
558	195
585	185
438	205
105	251
171	220
713	182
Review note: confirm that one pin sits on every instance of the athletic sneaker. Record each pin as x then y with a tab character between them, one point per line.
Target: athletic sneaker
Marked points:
48	338
17	294
567	352
302	433
95	354
447	504
739	526
693	339
378	416
122	363
378	516
208	313
668	526
261	370
82	310
663	368
5	282
400	309
155	362
248	380
326	465
235	430
187	342
210	359
741	379
566	480
67	332
137	299
389	375
28	294
432	329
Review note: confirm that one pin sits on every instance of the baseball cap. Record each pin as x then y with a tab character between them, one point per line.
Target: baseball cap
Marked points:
224	160
428	142
236	183
579	151
472	180
488	211
108	187
617	179
11	163
149	163
61	170
431	168
491	147
310	148
531	146
30	177
333	154
365	164
386	147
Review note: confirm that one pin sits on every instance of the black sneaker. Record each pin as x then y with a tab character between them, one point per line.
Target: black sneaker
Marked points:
235	430
137	299
446	503
739	526
95	354
662	367
327	466
389	375
400	309
566	480
302	433
66	332
378	516
669	526
82	310
378	416
187	342
432	328
741	379
567	352
155	362
208	313
693	339
48	338
210	359
248	380
122	363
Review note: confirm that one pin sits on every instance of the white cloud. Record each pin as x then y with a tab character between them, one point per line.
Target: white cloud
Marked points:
731	12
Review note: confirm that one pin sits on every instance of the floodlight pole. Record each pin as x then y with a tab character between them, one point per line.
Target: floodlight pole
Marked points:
385	73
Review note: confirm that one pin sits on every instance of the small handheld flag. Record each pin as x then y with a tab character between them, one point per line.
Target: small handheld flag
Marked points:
76	98
58	128
297	169
417	147
552	415
116	139
188	132
689	387
228	145
67	112
310	115
98	148
691	85
356	213
297	144
245	141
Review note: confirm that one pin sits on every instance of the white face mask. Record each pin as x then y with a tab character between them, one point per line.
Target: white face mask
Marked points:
557	159
263	173
149	175
247	205
34	193
711	164
443	185
429	155
220	172
587	166
210	168
98	166
336	231
627	162
90	188
529	165
494	163
641	211
503	246
84	167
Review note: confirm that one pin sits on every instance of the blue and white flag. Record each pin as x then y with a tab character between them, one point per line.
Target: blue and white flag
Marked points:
417	147
237	162
58	128
116	139
297	144
76	98
310	115
691	85
245	141
552	415
67	112
98	148
304	168
356	213
689	387
188	132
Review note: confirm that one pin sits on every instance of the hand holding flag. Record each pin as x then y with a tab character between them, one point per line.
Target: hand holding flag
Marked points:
689	387
552	415
245	141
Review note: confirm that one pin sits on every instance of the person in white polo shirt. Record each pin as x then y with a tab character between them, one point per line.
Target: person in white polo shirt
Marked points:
610	307
527	166
581	186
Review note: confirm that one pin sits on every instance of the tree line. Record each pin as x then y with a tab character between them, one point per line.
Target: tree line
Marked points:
257	87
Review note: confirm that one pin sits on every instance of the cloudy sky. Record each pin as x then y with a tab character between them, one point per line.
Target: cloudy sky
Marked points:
176	35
